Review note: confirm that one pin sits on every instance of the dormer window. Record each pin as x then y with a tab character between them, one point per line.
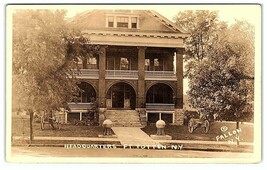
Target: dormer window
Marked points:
134	22
122	22
110	21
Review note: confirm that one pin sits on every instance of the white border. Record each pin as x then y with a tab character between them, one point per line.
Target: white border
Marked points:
47	166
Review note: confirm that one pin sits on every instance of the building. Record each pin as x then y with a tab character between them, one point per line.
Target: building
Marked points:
138	76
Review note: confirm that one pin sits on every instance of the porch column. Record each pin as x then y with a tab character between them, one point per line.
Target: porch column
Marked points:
179	75
102	80
141	77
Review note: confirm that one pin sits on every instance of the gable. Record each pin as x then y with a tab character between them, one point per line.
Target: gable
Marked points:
148	21
151	23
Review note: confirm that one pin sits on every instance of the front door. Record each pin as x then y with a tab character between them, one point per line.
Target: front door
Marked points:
118	98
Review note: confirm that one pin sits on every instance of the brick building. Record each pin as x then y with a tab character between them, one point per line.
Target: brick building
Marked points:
138	76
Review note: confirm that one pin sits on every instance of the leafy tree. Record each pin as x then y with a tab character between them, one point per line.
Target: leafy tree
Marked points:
219	64
203	27
223	82
45	52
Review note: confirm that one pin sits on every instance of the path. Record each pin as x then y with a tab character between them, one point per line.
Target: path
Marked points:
133	136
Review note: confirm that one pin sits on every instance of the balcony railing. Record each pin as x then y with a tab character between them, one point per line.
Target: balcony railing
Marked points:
160	75
81	106
86	73
125	74
159	106
122	74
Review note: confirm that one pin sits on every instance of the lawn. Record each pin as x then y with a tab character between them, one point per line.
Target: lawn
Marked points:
21	127
181	133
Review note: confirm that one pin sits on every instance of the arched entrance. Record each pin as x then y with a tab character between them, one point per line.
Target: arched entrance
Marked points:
121	95
159	93
87	93
159	103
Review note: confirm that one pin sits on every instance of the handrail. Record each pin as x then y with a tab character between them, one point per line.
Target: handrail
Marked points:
122	73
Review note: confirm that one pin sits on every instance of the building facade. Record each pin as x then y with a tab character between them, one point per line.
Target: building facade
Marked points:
137	78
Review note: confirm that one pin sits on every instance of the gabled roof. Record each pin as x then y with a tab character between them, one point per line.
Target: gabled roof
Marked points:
153	29
165	21
82	18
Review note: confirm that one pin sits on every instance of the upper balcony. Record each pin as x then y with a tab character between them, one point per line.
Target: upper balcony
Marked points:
126	74
122	74
87	73
160	75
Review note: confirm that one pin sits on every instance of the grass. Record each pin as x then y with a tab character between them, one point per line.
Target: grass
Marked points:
181	132
21	127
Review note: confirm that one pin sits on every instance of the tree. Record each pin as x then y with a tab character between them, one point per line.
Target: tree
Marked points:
219	65
45	52
203	27
223	82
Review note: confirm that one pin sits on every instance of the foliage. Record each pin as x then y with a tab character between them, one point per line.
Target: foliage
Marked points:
222	82
45	52
203	27
219	64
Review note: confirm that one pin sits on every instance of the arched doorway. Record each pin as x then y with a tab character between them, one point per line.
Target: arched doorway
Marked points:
160	103
86	93
121	95
159	93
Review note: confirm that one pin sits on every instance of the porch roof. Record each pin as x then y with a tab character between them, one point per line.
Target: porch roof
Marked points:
168	40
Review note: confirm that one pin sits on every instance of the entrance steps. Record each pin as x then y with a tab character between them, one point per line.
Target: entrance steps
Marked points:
123	118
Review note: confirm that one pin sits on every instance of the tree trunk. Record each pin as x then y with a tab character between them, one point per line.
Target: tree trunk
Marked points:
237	127
31	129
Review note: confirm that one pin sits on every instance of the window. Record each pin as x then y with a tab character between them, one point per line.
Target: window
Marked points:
91	60
110	21
147	63
134	22
156	62
92	63
122	22
124	64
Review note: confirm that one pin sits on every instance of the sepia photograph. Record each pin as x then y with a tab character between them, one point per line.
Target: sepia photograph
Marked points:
133	83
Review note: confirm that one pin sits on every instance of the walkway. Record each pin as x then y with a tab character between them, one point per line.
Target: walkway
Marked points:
133	136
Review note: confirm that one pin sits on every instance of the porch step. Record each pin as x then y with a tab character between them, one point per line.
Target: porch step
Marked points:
123	118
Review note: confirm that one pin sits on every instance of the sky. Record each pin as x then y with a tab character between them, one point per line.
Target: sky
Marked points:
226	12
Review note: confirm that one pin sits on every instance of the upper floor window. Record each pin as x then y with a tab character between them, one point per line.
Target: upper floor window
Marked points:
122	22
156	62
110	21
92	63
124	64
147	64
134	22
